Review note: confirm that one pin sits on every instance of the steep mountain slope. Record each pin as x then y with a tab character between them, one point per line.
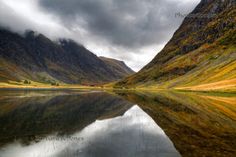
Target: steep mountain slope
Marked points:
35	57
119	67
201	51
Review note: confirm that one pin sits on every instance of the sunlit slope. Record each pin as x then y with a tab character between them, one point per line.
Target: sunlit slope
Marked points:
202	51
214	70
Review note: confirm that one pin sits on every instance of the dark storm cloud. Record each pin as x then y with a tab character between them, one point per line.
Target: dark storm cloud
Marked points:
126	23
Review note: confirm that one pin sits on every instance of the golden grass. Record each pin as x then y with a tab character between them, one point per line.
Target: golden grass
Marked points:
36	85
220	85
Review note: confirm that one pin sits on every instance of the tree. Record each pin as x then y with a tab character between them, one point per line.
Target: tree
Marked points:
27	82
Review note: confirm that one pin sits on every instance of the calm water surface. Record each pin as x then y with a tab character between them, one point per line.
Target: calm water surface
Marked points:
120	124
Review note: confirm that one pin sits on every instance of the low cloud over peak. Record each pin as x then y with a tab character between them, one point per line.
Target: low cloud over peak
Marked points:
130	30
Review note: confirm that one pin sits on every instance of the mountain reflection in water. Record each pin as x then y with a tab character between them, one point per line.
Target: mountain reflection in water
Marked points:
199	124
32	115
134	134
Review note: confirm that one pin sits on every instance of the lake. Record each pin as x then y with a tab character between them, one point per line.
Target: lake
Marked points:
41	123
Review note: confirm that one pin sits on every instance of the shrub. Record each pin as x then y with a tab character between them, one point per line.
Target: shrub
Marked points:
27	82
54	84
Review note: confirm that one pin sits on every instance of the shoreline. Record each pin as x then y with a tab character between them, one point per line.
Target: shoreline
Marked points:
79	87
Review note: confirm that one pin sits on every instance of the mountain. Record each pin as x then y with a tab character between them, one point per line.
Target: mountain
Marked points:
35	57
200	55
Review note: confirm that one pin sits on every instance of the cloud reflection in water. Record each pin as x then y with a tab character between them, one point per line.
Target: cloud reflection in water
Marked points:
134	134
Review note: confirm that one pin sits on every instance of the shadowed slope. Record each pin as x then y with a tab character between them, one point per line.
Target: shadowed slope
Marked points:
37	58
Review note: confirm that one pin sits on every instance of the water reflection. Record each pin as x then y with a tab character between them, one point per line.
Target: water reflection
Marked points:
26	116
133	134
199	124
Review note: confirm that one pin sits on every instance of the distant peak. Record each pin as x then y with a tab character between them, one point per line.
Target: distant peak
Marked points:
106	58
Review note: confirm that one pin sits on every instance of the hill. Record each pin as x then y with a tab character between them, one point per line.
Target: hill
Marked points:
119	67
201	53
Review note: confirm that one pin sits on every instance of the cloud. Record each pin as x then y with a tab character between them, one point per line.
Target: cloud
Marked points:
19	16
127	23
131	30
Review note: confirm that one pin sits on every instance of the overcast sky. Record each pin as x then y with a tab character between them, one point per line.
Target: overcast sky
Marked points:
130	30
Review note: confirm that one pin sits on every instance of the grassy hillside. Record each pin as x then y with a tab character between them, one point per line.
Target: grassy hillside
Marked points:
202	51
